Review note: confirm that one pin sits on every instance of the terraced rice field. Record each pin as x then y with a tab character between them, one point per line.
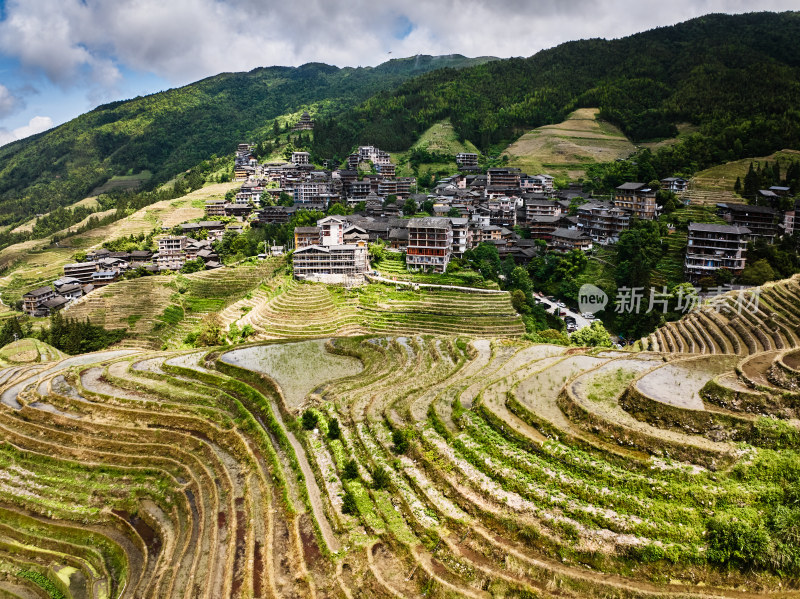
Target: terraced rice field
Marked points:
294	310
464	466
163	309
736	324
570	145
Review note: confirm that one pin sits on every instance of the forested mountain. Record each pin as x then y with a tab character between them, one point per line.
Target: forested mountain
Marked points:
174	130
736	77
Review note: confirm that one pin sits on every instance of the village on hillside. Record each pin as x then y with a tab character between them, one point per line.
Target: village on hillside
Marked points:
519	214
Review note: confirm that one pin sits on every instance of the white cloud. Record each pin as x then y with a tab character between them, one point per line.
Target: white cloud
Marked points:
8	101
36	125
86	43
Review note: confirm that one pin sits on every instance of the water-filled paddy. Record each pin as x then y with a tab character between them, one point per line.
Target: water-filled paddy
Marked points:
298	368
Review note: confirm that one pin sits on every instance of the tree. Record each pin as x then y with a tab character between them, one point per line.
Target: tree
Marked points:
338	209
751	183
453	213
309	419
400	440
349	505
638	251
211	332
285	200
594	335
191	266
427	206
380	478
518	301
334	432
757	273
410	207
377	251
350	470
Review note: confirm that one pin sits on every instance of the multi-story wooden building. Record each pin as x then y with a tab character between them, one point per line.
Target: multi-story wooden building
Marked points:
82	271
503	177
33	300
540	206
299	158
331	263
306	236
761	220
430	243
674	184
711	247
602	222
467	161
304	124
171	252
570	239
638	198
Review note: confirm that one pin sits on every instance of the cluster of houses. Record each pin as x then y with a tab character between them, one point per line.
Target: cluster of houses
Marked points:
103	266
711	247
468	208
369	174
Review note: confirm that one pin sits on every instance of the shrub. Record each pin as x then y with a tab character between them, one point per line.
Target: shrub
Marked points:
350	470
349	503
380	478
400	440
736	543
309	420
333	429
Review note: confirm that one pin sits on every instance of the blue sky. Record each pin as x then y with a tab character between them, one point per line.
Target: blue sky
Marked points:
60	58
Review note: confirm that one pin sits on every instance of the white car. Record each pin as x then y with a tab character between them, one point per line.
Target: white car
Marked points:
561	305
588	315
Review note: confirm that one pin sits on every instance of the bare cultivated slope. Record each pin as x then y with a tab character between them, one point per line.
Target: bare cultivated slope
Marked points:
570	145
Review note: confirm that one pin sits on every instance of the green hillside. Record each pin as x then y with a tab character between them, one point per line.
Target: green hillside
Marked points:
166	133
730	81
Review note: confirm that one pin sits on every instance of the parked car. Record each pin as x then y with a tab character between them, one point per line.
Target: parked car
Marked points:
572	327
588	315
561	305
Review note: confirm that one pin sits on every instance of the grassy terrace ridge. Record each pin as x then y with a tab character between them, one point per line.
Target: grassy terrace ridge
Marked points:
567	147
290	309
413	465
163	308
393	266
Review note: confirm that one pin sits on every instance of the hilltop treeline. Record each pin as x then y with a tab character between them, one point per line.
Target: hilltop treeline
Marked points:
735	77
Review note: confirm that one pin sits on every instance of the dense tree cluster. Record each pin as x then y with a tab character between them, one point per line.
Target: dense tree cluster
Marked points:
74	336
